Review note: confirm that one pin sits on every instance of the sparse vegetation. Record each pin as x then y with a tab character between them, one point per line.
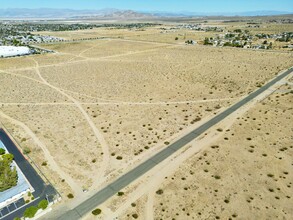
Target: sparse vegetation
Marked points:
120	193
157	92
26	150
96	211
159	192
70	196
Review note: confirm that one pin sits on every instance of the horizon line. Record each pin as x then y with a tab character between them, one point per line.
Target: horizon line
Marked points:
149	11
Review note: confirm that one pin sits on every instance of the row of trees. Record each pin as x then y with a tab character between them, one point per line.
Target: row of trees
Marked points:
31	211
8	175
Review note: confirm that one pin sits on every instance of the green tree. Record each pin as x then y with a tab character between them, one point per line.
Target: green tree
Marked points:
30	212
8	157
2	151
15	42
8	176
43	204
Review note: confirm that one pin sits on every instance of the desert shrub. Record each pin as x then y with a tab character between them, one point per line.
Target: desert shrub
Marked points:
96	211
44	163
120	193
43	204
26	150
159	192
119	158
135	215
30	212
70	196
217	177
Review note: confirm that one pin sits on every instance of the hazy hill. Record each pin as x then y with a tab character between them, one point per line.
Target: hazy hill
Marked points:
52	13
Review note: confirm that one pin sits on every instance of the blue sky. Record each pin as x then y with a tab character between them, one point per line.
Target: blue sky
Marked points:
157	5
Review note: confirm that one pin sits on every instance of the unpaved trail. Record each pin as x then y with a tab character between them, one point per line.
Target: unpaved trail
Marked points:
149	208
99	136
108	101
82	52
52	163
136	52
96	59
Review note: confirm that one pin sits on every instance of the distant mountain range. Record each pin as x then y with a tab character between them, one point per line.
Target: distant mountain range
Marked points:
111	13
192	14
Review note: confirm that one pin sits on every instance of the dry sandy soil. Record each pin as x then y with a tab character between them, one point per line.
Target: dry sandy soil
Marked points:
240	169
95	109
155	34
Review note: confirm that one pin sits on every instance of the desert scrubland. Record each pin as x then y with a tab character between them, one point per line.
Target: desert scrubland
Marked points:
95	109
244	174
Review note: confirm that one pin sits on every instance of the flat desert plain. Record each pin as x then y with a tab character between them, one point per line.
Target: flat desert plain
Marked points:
240	169
95	109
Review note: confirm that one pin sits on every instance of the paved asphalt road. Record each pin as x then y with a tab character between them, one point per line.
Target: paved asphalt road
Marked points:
141	169
41	189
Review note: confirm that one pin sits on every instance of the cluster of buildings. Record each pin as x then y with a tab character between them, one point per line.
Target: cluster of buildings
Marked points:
26	39
282	37
33	27
19	35
244	39
198	27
